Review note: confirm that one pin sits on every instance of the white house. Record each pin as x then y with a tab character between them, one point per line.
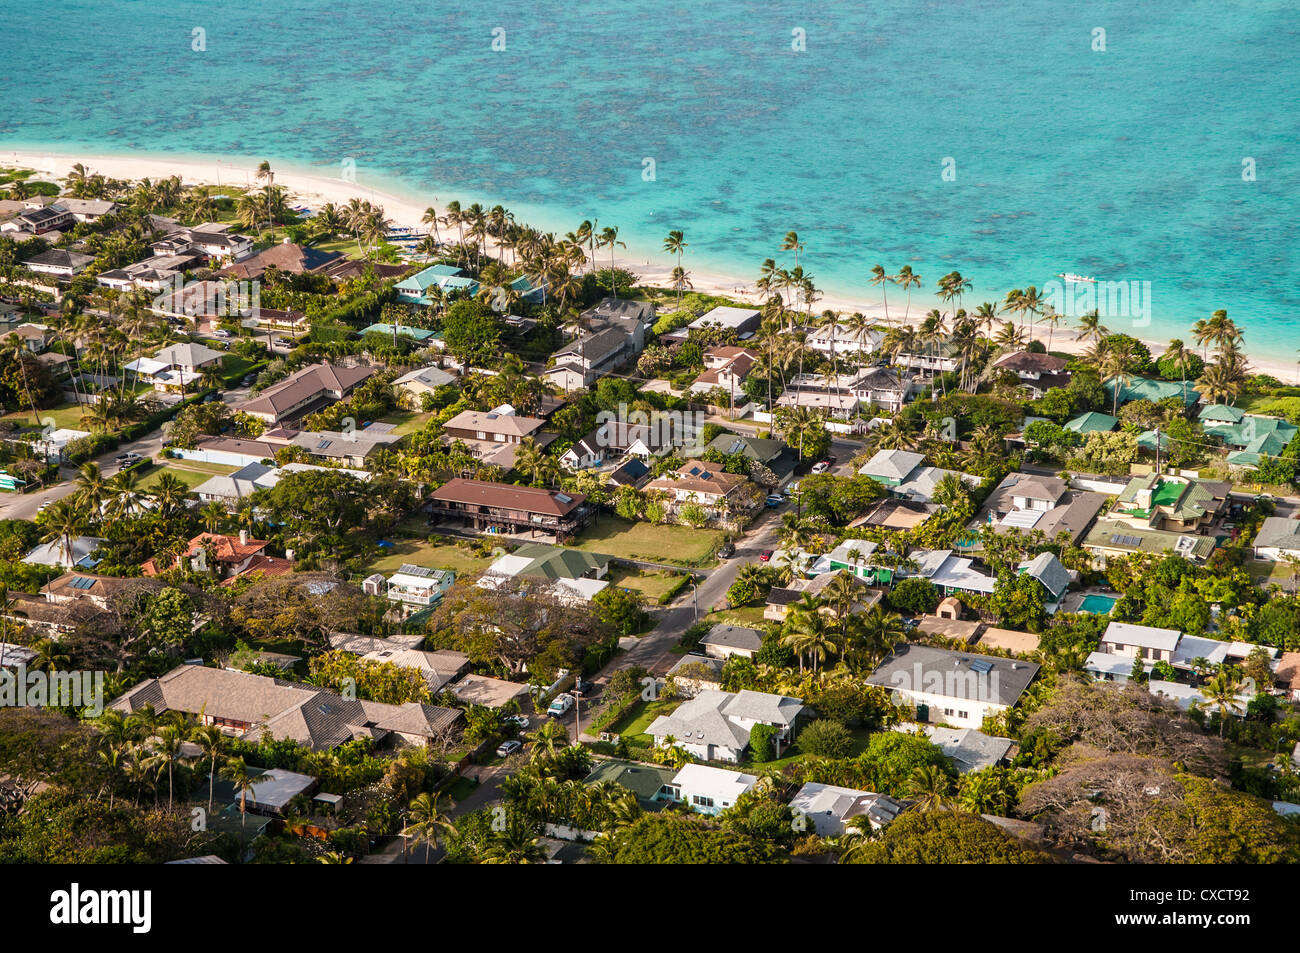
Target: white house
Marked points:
1140	641
953	688
829	808
1278	539
715	726
415	586
706	789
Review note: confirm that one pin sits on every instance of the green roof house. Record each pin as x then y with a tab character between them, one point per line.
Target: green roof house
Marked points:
1221	414
1178	504
1144	388
1092	422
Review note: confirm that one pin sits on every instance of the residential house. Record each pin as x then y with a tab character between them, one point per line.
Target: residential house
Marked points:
419	288
830	808
715	726
286	257
305	392
1111	538
614	439
254	707
1024	502
352	448
882	388
949	572
781	598
744	321
706	789
413	385
228	557
439	669
905	476
951	687
1139	641
87	210
212	239
633	318
1091	422
46	221
971	749
1278	539
774	455
1143	388
723	641
59	262
725	368
837	339
1053	576
85	587
586	359
492	507
58	553
494	436
1173	504
1038	372
703	483
413	586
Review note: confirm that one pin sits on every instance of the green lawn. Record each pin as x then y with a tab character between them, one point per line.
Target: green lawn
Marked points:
675	545
1265	571
188	472
433	553
651	585
748	616
406	421
637	719
65	417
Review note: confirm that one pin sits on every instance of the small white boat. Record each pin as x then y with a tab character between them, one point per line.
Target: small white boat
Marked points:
1077	278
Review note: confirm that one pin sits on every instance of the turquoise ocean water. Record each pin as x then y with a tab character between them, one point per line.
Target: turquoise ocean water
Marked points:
1124	164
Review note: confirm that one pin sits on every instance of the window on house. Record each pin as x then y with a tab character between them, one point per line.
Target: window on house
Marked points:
963	714
700	801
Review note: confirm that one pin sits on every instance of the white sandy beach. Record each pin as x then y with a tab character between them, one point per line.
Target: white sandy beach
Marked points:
315	190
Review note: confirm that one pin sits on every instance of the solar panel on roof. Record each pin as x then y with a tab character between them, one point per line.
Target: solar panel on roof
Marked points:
81	582
980	665
563	498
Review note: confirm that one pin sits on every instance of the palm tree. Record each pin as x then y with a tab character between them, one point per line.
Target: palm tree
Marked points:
428	821
16	351
549	740
680	282
236	771
170	493
930	785
675	244
609	239
533	463
210	741
875	633
1220	383
879	278
1221	692
906	280
791	243
63	524
167	753
515	845
809	634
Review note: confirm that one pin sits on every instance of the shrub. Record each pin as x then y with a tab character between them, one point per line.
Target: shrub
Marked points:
829	739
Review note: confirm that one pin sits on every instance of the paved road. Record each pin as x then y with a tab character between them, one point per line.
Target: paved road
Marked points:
26	506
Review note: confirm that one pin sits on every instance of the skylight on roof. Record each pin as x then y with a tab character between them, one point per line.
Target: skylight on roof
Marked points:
563	498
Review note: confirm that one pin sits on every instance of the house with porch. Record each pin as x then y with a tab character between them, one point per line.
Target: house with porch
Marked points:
706	789
501	508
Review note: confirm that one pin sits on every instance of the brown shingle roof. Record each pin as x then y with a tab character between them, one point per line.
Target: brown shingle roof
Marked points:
505	496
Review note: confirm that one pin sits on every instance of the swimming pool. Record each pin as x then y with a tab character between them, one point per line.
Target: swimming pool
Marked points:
1098	605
